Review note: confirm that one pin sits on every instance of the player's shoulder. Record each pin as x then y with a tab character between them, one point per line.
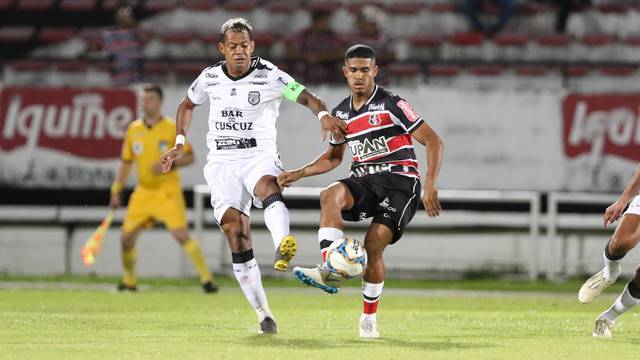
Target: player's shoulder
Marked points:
261	64
136	124
388	95
342	109
212	69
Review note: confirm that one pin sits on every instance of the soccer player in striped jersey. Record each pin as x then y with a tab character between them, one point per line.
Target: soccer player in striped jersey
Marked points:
384	182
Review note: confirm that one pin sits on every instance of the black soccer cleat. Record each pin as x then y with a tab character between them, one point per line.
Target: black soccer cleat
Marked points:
122	287
210	287
268	326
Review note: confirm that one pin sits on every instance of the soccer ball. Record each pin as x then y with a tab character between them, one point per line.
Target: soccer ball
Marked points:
347	258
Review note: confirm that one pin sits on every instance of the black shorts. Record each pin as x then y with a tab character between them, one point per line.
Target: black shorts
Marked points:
391	200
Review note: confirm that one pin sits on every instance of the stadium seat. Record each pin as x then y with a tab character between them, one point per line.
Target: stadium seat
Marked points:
16	34
55	34
486	70
595	47
71	66
28	72
199	5
407	74
159	5
464	46
77	5
553	47
630	48
618	71
189	69
5	4
243	6
35	5
510	46
319	5
425	47
444	70
180	45
578	70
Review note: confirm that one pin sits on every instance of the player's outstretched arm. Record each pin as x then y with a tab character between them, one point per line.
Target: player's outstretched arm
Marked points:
121	178
435	147
613	212
183	121
328	123
326	162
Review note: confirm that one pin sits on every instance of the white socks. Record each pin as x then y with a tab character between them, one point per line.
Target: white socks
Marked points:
276	217
623	303
248	275
371	296
611	268
327	235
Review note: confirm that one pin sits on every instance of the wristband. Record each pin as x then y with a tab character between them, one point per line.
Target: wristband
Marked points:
322	113
180	139
116	187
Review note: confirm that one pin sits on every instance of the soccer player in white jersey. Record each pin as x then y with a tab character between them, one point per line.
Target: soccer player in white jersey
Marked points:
625	238
244	95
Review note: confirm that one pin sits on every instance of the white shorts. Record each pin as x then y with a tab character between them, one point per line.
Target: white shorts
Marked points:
231	182
634	207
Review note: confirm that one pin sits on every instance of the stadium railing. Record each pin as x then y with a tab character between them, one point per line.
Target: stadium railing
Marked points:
529	198
570	222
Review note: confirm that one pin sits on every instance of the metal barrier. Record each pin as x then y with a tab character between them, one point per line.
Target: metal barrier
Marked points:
530	198
553	204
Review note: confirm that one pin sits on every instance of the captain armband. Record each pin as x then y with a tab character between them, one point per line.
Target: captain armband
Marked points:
292	91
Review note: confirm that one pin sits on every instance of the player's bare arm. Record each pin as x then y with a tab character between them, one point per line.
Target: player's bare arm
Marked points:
614	212
326	162
183	121
435	147
121	178
328	123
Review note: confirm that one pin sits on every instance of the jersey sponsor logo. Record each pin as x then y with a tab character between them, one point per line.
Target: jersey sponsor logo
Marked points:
606	125
369	148
408	111
194	85
211	76
237	126
282	81
261	76
342	115
258	82
233	144
376	107
254	98
231	114
211	84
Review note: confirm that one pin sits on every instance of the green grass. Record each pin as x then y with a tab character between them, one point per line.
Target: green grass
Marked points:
173	320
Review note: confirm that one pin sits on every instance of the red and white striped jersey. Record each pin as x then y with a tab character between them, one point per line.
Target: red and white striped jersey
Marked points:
379	134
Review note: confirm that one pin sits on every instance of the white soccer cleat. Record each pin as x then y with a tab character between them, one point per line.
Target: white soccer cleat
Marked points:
593	287
603	328
319	277
368	327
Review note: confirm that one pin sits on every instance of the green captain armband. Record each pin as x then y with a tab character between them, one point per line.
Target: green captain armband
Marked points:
292	91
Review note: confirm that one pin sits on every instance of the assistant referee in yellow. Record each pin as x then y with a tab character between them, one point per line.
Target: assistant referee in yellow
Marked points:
156	197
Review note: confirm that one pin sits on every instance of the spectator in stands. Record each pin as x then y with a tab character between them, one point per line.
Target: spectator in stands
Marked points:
565	8
473	8
123	45
317	51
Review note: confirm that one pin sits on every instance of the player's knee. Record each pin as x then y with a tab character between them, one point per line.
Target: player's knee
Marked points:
127	241
234	231
332	196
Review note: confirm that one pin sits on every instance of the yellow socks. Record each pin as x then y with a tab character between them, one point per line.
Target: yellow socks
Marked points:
129	258
194	252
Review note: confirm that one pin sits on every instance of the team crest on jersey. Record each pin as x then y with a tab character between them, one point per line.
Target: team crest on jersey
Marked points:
254	98
374	120
137	147
408	111
233	92
163	146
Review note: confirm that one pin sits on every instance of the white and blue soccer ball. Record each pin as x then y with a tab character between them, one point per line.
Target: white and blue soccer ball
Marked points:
346	257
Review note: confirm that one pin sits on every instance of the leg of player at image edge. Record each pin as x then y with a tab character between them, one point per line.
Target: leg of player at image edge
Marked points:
371	296
247	272
319	276
276	217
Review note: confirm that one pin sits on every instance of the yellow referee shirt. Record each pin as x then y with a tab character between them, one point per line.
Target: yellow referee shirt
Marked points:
144	145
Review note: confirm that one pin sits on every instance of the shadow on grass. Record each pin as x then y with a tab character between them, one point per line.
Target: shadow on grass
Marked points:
308	344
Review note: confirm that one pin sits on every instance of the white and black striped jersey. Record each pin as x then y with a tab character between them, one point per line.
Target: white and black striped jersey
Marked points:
243	110
379	134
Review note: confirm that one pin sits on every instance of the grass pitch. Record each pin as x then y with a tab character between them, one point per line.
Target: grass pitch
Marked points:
174	321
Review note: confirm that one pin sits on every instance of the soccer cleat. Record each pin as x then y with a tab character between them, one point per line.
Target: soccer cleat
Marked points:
268	326
210	287
123	287
368	327
593	287
285	252
319	277
603	328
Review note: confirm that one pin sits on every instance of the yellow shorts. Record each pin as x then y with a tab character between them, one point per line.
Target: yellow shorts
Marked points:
165	204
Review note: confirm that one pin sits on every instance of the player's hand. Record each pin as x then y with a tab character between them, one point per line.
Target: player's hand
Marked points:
613	212
333	125
289	177
430	200
157	168
167	158
115	201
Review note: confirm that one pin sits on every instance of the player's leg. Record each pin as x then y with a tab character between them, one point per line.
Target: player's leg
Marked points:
624	239
129	260
192	249
276	217
236	227
629	298
333	200
377	238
